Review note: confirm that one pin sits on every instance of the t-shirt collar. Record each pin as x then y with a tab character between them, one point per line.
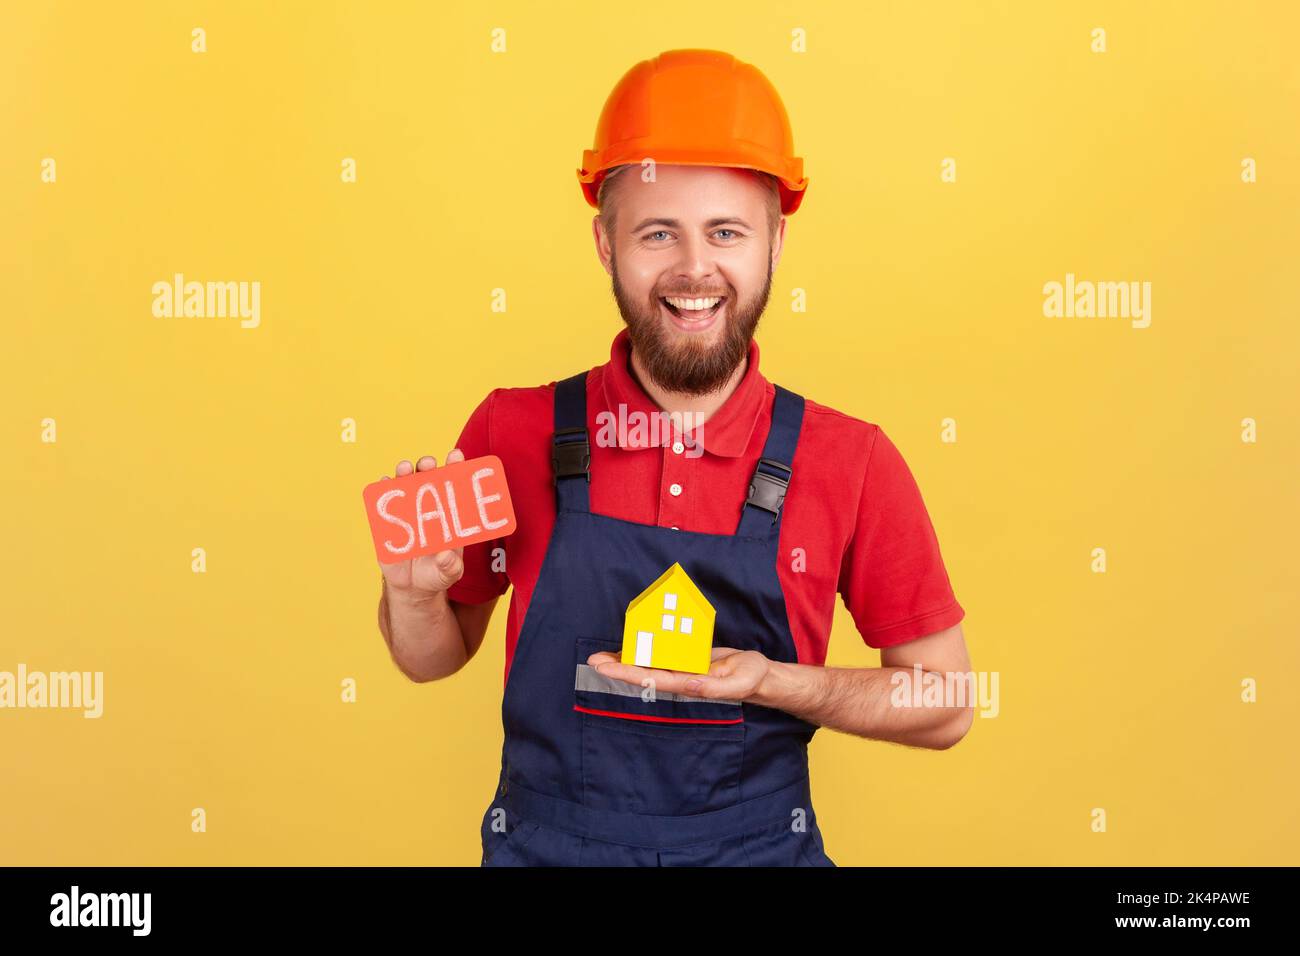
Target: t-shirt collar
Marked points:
726	432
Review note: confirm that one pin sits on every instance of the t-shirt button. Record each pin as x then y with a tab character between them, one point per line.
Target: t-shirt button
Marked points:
675	528
678	448
674	489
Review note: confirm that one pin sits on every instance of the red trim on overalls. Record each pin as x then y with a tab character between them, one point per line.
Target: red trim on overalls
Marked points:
655	720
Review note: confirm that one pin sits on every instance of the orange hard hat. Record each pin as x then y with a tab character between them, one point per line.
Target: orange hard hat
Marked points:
695	108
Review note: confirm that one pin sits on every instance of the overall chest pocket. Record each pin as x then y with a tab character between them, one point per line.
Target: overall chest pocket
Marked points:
654	752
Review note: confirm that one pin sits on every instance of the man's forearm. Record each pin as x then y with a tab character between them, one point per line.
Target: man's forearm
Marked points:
860	701
423	634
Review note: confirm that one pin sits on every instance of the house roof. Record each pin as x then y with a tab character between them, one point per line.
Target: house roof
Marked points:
678	575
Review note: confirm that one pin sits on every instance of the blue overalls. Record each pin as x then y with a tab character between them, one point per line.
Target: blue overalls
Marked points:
595	774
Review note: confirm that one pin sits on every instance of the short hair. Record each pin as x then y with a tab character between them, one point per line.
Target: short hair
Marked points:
608	215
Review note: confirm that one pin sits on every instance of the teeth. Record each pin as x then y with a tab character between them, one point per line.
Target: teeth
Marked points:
693	305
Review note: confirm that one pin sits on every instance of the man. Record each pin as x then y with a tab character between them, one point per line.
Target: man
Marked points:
780	505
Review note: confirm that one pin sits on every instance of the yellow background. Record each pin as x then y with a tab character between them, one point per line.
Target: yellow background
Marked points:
222	690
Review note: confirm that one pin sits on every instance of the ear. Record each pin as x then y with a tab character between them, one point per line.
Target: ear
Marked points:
778	242
604	251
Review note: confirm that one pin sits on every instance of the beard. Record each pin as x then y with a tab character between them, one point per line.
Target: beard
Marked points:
676	363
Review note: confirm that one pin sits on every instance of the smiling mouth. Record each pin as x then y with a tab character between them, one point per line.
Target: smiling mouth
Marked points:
705	307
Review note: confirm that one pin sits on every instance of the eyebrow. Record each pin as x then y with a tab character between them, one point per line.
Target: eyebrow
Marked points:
676	224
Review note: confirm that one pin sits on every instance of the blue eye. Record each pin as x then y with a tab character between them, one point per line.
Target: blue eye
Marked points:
658	233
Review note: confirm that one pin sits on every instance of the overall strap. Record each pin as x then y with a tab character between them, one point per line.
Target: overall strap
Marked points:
761	513
571	448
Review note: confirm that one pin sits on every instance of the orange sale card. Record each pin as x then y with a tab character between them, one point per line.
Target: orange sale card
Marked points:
430	511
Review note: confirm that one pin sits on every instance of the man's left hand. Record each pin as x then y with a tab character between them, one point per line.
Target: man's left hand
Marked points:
733	674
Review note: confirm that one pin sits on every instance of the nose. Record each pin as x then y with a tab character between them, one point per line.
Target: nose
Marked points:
694	270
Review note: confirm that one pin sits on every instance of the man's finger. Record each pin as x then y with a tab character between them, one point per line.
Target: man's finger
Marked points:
673	682
446	560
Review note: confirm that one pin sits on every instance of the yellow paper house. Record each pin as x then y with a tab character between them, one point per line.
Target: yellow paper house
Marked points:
669	625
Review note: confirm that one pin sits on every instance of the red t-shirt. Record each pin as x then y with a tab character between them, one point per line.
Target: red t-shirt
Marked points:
853	522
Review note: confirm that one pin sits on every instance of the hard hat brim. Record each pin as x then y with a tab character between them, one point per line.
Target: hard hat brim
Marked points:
793	184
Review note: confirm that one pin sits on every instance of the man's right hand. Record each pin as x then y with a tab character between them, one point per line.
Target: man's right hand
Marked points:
427	575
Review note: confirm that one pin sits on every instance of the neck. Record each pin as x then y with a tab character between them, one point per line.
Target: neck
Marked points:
700	407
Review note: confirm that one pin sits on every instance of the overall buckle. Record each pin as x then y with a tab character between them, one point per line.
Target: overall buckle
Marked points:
570	458
768	491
